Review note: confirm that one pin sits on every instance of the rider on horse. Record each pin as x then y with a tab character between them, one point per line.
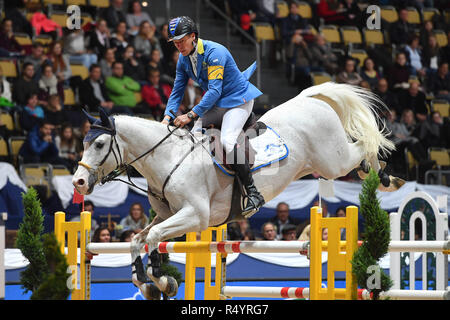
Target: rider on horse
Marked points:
228	95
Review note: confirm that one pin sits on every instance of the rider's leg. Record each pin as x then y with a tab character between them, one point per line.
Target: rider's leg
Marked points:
232	124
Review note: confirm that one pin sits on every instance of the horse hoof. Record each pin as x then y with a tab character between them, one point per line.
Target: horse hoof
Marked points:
138	270
384	179
397	182
171	287
364	166
151	292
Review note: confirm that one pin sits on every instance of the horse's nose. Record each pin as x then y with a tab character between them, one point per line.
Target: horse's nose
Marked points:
80	182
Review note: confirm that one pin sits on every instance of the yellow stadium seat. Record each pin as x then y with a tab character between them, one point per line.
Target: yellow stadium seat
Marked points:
442	106
411	163
76	2
23	39
359	54
440	155
43	39
428	13
79	70
99	3
320	77
413	15
138	97
351	35
14	144
283	9
60	170
441	38
3	148
9	68
60	2
389	13
60	18
263	31
7	120
373	37
304	10
69	97
331	33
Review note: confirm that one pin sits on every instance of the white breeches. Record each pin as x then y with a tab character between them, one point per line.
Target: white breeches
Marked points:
232	122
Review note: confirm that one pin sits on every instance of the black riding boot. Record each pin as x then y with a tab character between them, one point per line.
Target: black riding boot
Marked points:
254	199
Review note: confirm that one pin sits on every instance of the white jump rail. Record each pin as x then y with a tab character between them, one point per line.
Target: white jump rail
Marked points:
303	293
257	247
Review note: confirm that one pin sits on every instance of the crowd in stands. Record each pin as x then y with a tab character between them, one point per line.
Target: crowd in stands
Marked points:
130	69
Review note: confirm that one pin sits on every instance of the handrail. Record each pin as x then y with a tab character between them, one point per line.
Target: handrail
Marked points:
242	32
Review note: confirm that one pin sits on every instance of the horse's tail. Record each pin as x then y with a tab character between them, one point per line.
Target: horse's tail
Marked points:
356	108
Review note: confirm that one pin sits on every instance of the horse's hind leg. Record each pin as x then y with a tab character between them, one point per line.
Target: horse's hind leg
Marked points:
387	182
348	161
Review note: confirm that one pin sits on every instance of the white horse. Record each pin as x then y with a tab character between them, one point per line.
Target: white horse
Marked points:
329	129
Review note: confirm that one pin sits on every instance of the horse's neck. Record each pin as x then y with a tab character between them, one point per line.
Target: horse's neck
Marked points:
138	137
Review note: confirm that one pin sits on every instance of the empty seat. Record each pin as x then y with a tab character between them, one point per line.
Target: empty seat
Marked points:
69	97
99	3
413	15
440	155
320	77
60	18
442	106
23	39
389	13
9	68
359	54
428	13
60	170
351	35
304	10
331	33
263	31
14	144
441	38
4	153
7	120
283	9
79	70
373	37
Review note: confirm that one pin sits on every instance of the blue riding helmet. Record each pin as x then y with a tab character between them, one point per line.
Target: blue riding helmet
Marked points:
180	27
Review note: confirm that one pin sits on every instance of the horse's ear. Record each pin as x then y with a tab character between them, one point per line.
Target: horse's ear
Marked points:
90	118
106	122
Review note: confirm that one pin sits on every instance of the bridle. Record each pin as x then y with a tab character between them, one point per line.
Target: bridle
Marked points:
122	167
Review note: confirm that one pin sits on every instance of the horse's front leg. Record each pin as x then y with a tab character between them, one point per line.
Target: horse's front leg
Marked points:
187	219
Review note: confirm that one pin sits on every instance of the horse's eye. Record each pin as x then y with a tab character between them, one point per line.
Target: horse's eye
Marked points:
99	145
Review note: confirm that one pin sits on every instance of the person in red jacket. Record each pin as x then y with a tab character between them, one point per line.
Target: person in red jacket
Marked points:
155	94
332	11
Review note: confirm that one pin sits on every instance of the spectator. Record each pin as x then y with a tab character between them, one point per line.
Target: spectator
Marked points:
113	14
409	120
120	39
88	206
14	11
132	67
431	56
127	236
121	88
349	74
155	62
94	91
401	30
8	44
414	55
43	25
430	131
98	39
445	51
59	62
293	24
167	48
300	57
289	232
399	74
387	97
32	113
269	231
5	91
369	73
49	85
37	58
325	234
323	57
352	13
439	83
53	111
155	95
144	41
282	218
39	147
74	46
136	219
340	212
425	32
415	100
135	17
332	11
102	234
66	144
107	62
239	230
25	86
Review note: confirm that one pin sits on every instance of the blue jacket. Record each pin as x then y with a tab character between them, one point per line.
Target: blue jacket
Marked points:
34	145
218	75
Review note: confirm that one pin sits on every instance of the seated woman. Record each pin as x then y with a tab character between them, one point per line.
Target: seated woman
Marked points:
136	219
9	46
66	144
59	62
106	63
144	41
399	74
135	17
74	46
101	234
54	112
132	67
49	84
369	73
120	39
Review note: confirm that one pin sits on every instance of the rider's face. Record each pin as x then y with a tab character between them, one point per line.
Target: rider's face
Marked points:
185	44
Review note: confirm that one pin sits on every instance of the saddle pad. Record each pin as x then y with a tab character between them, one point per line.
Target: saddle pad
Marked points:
269	148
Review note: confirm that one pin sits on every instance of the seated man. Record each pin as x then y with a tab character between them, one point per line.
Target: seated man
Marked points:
155	95
39	147
94	91
24	86
415	100
122	89
439	82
